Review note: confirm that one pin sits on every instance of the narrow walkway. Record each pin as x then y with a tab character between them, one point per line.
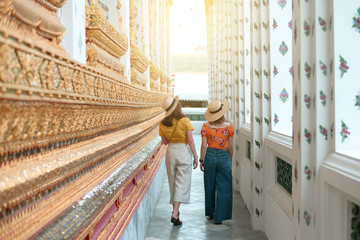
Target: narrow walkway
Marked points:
195	225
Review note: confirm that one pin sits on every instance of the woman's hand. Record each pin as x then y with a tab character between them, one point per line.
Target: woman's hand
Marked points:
202	166
195	163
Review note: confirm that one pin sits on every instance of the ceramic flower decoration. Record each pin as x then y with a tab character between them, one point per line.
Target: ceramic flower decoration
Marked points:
323	98
307	172
275	71
276	119
344	131
356	21
284	95
275	25
323	131
307	218
306	28
282	3
307	69
307	135
343	66
307	100
283	48
322	23
323	68
357	100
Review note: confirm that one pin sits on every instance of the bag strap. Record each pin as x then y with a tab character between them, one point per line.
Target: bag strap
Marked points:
174	130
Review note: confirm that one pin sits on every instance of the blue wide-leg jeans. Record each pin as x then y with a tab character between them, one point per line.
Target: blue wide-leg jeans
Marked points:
218	184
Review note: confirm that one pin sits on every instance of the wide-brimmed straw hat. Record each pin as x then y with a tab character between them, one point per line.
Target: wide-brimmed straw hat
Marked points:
216	109
170	104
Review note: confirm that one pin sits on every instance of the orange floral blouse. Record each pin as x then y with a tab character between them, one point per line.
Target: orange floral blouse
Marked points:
217	137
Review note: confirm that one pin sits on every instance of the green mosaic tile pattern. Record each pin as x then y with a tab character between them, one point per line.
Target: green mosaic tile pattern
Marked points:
248	150
284	174
196	117
355	222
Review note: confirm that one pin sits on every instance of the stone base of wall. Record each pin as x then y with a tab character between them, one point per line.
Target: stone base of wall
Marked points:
141	219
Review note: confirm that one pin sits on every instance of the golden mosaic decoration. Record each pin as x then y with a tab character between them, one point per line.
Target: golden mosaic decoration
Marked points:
61	121
102	33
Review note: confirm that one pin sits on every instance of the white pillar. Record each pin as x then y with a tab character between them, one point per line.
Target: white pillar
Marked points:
72	15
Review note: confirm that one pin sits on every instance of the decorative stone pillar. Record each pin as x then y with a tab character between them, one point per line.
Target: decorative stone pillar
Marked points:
313	120
154	77
105	43
139	59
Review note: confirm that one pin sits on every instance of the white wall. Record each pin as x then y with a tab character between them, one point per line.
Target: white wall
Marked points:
72	15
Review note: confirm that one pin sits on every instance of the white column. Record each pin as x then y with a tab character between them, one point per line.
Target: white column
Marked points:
125	14
72	15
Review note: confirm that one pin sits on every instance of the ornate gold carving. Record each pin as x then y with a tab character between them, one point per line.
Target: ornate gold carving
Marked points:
91	234
163	78
163	88
97	57
56	3
168	81
154	85
138	59
102	33
120	218
9	64
154	72
35	15
51	206
61	119
138	78
133	13
208	4
32	75
119	13
118	200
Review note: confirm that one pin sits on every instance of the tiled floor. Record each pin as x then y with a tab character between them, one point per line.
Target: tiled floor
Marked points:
195	225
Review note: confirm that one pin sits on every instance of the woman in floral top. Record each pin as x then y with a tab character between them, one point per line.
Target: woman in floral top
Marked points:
215	162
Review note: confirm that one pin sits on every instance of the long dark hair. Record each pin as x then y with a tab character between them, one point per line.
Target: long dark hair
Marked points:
177	114
218	121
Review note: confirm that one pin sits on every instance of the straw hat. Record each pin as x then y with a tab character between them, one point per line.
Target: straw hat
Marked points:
216	110
170	104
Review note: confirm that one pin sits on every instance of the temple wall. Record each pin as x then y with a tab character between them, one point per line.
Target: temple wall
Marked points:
288	69
79	145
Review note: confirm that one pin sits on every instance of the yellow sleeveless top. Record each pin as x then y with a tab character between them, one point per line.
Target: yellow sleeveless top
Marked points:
179	136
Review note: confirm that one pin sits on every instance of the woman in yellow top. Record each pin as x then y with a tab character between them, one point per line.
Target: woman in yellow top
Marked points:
176	131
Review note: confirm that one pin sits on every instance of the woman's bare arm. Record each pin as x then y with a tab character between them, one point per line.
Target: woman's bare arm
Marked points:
190	142
202	152
164	140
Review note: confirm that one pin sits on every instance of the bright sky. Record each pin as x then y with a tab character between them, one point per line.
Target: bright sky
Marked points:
188	26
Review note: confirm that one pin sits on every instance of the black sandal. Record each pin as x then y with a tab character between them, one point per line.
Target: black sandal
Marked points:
176	221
